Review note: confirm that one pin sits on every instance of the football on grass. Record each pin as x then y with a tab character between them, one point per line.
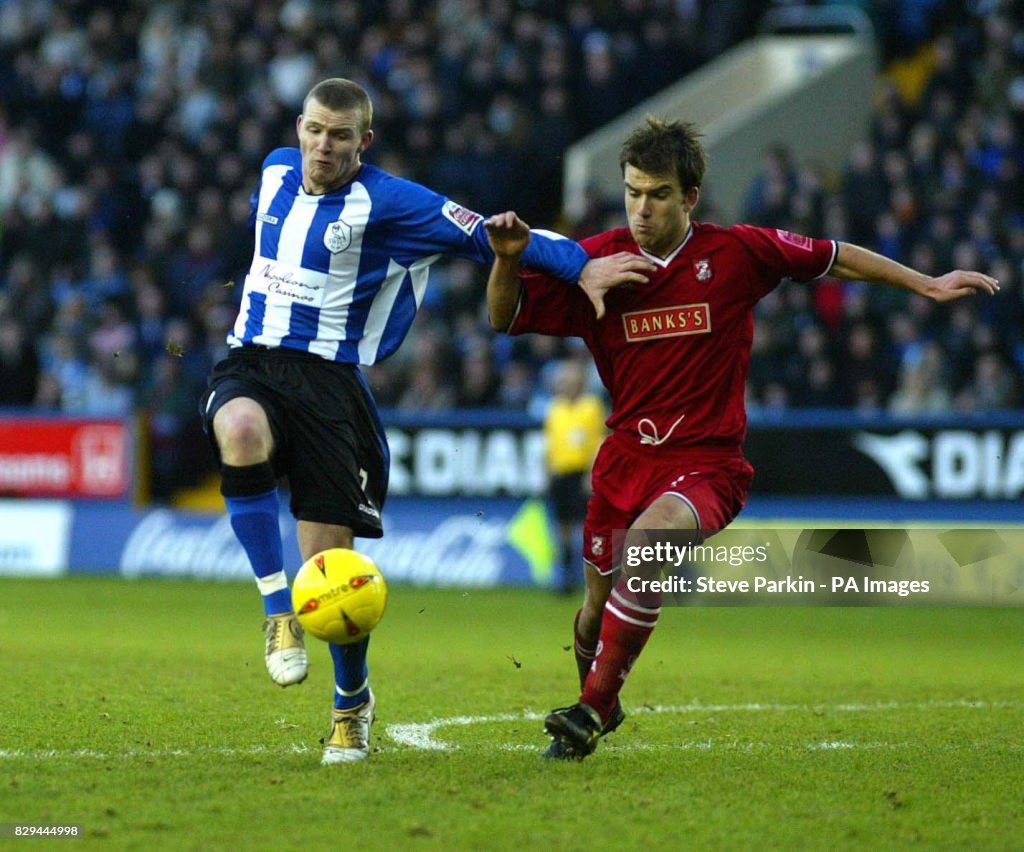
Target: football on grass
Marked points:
339	595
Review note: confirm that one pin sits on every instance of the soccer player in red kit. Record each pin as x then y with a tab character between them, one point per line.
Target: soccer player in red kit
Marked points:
672	346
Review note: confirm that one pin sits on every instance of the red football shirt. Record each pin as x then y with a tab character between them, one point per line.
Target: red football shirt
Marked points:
674	353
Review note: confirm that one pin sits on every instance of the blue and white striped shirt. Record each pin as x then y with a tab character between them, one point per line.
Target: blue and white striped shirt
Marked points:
342	275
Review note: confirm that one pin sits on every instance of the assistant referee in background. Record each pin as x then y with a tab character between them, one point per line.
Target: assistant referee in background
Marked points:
573	431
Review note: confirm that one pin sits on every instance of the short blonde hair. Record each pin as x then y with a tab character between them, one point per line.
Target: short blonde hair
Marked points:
337	93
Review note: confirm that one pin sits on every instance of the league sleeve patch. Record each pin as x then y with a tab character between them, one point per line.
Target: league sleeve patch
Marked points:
462	218
796	240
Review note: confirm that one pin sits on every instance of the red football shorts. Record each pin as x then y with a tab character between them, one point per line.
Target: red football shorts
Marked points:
628	477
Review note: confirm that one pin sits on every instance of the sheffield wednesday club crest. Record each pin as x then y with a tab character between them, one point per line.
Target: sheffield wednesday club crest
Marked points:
338	236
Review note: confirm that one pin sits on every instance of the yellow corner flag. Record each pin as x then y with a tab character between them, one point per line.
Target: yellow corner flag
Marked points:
529	532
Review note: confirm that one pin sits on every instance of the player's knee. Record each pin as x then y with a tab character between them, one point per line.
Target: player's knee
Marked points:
640	554
668	512
651	546
243	434
315	537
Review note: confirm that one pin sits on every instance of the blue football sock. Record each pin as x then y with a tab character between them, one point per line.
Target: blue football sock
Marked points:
255	522
351	674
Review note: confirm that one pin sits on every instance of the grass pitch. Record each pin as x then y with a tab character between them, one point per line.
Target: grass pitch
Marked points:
142	712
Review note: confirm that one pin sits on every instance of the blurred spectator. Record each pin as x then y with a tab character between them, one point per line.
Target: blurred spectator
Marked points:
602	92
775	399
994	386
428	366
769	195
178	450
921	389
19	365
866	372
822	388
863	192
868	398
480	382
109	387
26	296
425	389
518	387
27	172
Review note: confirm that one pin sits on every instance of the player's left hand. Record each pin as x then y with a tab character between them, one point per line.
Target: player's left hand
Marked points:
601	274
507	233
959	283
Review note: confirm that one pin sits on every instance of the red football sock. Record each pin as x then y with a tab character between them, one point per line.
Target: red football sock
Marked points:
626	625
583	649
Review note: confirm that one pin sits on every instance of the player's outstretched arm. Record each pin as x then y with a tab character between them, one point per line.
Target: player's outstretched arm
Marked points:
508	235
861	264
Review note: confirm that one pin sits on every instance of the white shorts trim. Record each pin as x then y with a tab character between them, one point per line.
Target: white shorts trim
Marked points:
696	514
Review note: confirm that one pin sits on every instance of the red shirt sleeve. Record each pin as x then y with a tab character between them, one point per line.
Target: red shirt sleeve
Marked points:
558	308
783	254
551	306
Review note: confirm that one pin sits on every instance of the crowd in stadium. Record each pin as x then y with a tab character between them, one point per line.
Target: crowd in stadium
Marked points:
131	135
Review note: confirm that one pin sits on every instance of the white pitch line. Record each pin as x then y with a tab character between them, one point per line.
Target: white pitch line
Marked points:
421	735
149	754
842	708
736	745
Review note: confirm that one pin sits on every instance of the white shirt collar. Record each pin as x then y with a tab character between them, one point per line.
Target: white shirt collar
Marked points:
665	261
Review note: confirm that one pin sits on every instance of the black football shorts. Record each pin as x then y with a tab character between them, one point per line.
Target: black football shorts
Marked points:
568	499
328	438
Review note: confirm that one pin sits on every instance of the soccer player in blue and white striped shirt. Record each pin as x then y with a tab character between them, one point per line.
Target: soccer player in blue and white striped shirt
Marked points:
342	256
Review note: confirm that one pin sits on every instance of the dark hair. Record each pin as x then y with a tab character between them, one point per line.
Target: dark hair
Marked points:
660	147
337	93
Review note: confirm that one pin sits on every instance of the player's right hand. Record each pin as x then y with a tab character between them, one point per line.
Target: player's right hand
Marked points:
507	233
601	274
